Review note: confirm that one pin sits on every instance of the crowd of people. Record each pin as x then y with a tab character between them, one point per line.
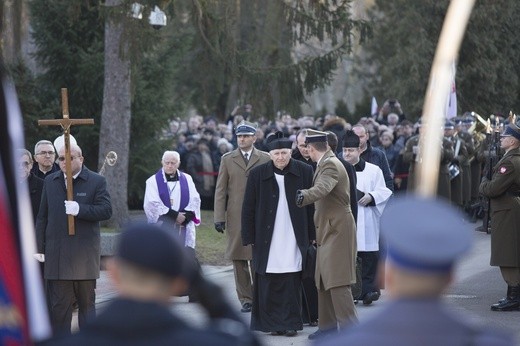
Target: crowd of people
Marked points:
301	203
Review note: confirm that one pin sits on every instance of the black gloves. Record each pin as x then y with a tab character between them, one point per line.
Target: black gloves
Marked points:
220	227
189	215
299	198
169	217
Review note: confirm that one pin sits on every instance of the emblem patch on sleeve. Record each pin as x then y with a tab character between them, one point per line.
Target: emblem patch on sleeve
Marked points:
502	170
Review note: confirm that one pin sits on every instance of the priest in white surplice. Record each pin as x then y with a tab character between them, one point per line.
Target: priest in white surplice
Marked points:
172	200
372	195
280	233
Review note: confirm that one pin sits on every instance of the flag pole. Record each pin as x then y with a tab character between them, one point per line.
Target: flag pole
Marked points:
438	87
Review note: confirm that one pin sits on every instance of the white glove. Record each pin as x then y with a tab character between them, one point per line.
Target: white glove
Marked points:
39	257
71	208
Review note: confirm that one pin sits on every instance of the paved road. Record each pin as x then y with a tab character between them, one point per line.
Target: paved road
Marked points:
476	286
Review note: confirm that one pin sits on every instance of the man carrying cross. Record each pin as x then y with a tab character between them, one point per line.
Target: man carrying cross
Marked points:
72	262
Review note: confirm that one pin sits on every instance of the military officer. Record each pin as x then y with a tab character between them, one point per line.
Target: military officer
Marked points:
504	191
229	195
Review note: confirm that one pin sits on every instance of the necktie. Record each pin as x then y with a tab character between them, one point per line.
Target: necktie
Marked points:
246	157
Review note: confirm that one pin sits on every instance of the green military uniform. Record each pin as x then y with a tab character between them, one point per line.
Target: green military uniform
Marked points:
504	191
443	182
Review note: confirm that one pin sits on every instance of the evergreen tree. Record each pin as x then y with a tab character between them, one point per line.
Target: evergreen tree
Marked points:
405	36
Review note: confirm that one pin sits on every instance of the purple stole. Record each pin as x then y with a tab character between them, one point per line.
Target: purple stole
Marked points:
164	194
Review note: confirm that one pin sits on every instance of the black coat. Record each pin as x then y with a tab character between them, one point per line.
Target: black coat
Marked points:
74	257
259	209
131	323
35	190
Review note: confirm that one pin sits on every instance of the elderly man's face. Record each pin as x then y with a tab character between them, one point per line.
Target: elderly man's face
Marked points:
76	160
280	157
170	164
361	133
24	166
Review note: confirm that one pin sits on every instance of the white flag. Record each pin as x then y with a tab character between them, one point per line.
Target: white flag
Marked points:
373	108
451	104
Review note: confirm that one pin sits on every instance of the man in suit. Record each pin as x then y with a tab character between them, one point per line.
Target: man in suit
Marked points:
335	236
71	261
229	195
424	237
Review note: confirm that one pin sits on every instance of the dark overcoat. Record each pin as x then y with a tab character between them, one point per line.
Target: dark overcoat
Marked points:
72	257
229	195
335	226
260	204
504	191
35	190
131	322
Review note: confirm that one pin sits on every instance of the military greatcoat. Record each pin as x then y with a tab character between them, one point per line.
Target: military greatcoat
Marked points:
504	191
335	226
229	195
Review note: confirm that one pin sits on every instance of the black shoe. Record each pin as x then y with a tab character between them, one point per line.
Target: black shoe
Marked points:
321	334
370	297
291	332
506	305
279	332
246	307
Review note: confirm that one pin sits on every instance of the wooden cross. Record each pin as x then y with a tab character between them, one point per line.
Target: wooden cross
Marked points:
65	124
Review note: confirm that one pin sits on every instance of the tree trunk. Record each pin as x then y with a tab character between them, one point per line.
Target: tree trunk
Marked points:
116	114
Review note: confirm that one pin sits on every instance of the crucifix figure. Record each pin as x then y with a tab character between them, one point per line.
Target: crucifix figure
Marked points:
65	124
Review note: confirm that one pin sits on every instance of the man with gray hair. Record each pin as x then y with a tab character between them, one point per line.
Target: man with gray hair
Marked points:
171	200
44	159
72	262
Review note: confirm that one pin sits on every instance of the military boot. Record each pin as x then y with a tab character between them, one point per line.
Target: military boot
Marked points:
512	301
507	295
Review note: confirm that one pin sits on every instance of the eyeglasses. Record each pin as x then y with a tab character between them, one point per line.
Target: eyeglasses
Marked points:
24	164
62	158
50	153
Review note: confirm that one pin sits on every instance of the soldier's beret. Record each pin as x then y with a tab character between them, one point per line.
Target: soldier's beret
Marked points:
246	128
424	234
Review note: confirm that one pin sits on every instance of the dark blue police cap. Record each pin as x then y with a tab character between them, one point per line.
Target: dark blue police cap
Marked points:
151	247
424	234
246	128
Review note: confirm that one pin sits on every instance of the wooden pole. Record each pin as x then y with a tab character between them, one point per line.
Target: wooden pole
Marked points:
437	92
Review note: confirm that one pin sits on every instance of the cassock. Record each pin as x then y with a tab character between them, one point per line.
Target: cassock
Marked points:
281	234
177	193
370	180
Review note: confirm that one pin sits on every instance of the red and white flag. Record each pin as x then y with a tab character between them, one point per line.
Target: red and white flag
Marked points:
24	318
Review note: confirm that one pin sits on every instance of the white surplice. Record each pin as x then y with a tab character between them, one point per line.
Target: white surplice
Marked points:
372	181
154	207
